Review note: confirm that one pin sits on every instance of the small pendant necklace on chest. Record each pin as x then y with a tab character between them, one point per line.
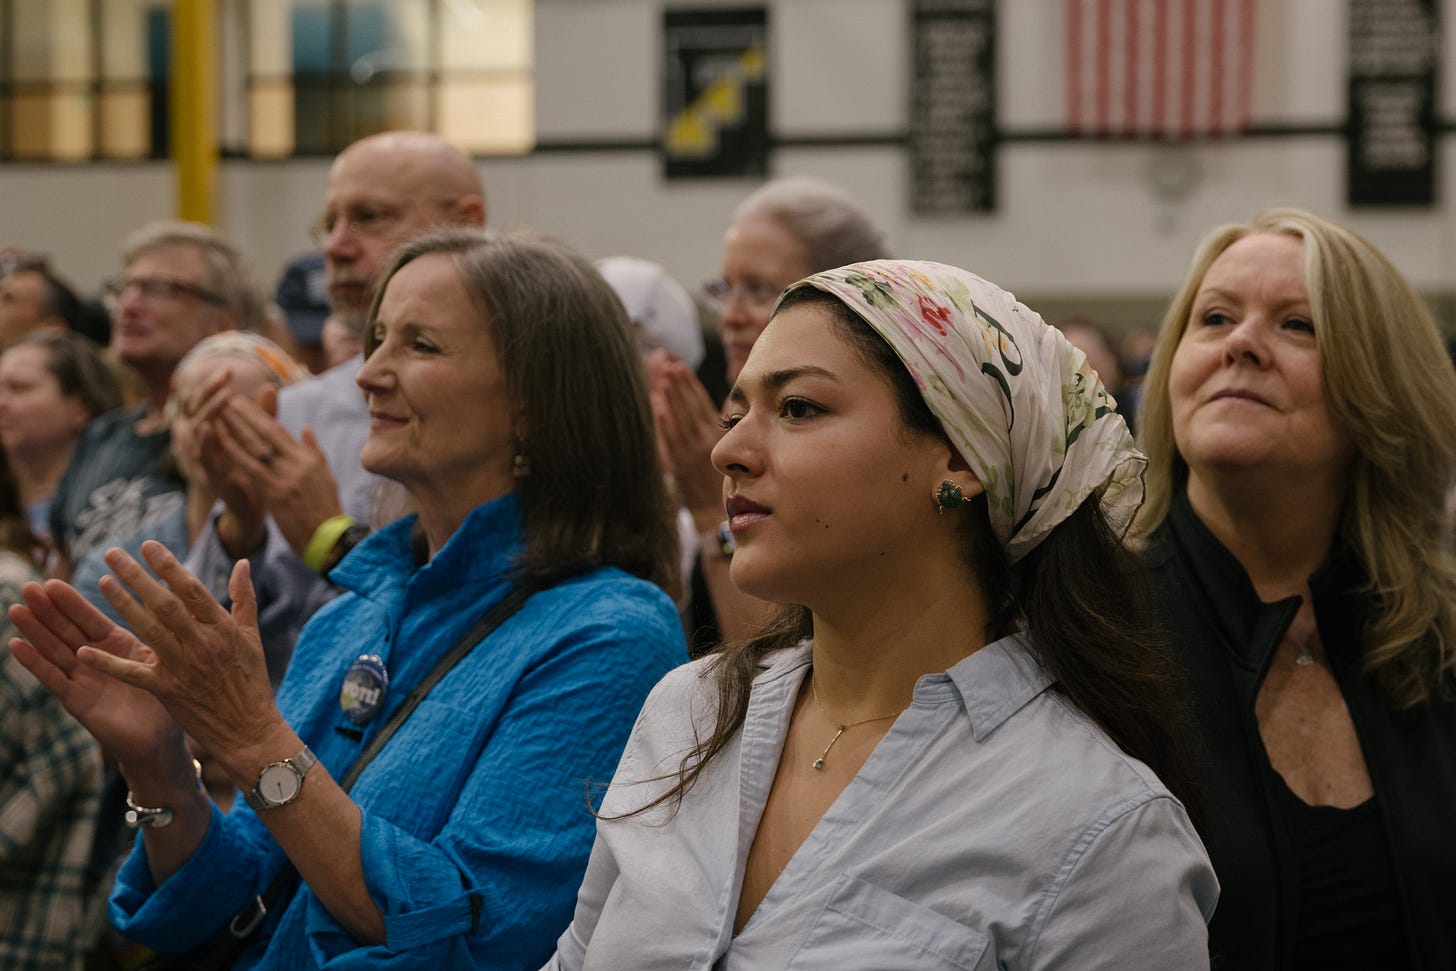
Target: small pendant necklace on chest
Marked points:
1306	639
839	726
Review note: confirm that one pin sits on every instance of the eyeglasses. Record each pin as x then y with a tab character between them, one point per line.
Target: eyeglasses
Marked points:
370	221
756	295
152	288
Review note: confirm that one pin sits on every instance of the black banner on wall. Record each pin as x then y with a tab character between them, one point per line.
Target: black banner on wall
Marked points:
953	107
1391	141
715	94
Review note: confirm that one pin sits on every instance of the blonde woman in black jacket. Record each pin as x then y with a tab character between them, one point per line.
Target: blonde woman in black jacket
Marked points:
1298	418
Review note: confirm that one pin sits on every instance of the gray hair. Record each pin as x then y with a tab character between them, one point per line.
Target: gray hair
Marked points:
231	277
834	229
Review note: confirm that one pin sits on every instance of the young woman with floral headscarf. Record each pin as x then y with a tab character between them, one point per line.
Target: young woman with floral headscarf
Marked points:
948	751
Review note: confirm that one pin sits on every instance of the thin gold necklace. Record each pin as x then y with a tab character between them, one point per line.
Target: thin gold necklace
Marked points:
839	727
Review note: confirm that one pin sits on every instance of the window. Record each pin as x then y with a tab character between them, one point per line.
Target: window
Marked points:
88	79
322	73
82	79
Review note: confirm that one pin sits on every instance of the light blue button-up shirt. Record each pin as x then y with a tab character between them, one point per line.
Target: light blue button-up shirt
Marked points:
994	826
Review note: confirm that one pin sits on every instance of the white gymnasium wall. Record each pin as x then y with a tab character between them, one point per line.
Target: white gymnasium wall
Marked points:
1075	220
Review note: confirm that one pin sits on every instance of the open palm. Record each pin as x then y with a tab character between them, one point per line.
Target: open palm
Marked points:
54	622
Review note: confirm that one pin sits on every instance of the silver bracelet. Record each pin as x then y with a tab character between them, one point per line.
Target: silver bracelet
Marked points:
148	816
153	817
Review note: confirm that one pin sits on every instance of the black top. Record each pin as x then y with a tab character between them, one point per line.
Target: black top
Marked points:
1348	915
1225	638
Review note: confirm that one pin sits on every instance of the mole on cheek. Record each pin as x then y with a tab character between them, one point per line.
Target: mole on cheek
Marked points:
905	477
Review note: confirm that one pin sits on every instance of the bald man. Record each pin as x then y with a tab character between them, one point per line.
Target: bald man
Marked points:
277	476
383	190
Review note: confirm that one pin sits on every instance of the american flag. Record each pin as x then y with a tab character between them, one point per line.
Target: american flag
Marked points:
1166	68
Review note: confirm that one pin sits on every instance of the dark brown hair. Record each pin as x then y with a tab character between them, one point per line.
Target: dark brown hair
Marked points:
79	367
1092	630
595	495
57	299
15	532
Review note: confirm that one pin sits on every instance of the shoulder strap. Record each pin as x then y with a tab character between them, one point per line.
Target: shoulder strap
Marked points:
477	633
250	918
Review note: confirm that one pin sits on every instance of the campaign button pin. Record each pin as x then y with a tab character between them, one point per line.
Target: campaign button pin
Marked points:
364	688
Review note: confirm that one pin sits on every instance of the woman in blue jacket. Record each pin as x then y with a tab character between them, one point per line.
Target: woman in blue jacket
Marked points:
506	396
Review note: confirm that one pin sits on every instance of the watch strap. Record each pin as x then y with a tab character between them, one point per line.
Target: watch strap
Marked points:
299	764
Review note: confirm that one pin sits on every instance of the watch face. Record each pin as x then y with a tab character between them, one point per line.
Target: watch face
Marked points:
278	784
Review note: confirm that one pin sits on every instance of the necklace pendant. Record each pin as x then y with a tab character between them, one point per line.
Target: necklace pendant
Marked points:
1304	660
839	727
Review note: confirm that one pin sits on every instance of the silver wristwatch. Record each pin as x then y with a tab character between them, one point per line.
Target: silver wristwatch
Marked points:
280	782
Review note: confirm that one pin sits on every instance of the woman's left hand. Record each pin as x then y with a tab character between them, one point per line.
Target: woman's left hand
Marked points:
206	664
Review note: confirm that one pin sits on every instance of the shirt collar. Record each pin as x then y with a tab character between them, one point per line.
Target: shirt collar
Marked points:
485	546
993	683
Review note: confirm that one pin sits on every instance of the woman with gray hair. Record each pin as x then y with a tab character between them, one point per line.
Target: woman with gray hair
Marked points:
784	231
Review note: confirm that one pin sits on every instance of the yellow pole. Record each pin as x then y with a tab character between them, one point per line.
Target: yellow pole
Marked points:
193	103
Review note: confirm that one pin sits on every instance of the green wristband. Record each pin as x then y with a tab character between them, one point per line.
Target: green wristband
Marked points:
323	540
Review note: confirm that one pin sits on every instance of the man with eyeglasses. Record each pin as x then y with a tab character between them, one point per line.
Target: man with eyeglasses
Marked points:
181	282
294	496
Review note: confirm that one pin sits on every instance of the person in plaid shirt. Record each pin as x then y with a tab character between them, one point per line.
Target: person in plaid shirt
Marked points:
50	790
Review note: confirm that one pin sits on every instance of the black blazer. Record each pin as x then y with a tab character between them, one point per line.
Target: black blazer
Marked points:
1225	637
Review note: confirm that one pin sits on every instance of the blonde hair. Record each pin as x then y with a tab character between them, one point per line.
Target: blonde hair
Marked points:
1391	388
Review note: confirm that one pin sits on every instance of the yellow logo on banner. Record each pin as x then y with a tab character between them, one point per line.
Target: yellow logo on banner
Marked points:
693	133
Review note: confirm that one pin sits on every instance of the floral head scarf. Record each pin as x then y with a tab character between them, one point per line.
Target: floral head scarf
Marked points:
1018	401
